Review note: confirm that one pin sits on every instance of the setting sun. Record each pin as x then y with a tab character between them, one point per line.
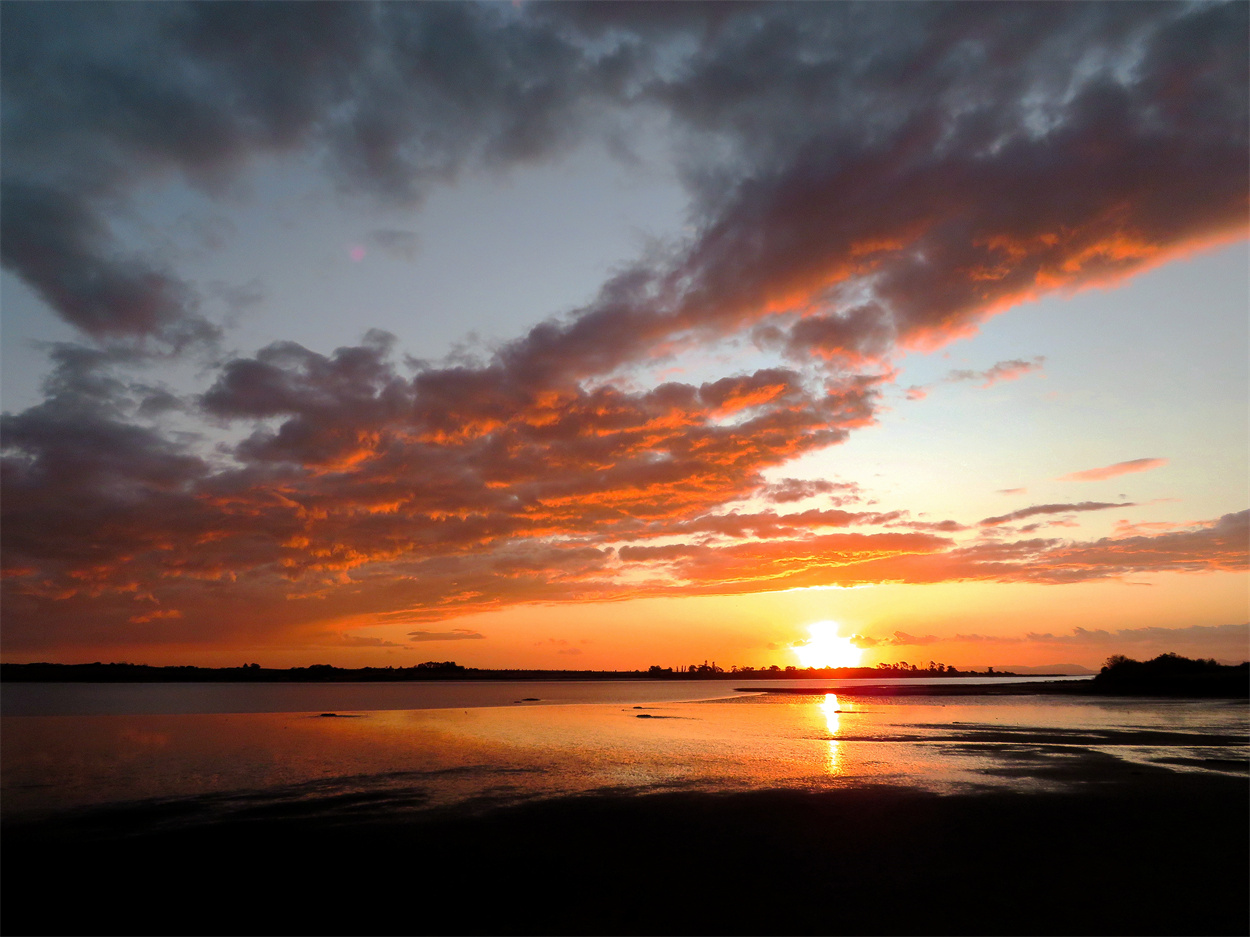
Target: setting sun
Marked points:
826	649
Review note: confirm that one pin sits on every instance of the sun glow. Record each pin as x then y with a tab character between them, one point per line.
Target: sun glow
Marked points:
826	649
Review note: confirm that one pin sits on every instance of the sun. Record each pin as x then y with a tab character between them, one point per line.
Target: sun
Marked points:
826	649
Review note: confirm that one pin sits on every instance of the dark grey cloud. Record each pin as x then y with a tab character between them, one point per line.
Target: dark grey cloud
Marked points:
338	639
59	244
102	98
846	206
456	634
926	156
1002	371
1053	509
83	441
789	490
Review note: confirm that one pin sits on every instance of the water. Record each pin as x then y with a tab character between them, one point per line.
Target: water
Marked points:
116	699
231	748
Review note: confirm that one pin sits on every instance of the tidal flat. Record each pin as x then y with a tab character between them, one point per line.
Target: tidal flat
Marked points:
753	813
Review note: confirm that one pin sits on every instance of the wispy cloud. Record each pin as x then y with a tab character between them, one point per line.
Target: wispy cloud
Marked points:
898	639
1111	471
1002	371
457	634
346	639
1229	641
1054	509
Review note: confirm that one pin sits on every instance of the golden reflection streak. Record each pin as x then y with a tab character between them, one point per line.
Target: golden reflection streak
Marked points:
832	709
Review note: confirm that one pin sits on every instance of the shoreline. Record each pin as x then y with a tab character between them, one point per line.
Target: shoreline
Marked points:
1231	690
1075	686
142	673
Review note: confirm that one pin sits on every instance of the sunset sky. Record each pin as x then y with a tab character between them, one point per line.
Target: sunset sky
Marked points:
596	337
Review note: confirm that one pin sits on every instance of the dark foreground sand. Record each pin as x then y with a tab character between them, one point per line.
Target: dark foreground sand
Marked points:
1135	850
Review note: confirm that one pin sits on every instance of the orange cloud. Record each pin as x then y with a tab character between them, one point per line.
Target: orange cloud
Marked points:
154	616
614	494
1111	471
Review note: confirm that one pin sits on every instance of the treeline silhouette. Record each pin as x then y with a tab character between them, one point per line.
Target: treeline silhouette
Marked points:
1172	675
1166	675
901	669
247	673
98	672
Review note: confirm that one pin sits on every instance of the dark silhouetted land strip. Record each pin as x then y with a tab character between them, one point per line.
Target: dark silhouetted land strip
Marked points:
1141	850
430	670
1168	675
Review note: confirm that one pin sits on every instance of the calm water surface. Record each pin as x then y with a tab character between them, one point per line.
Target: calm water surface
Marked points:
108	699
231	748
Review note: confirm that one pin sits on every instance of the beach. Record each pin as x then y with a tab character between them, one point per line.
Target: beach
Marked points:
769	813
1161	854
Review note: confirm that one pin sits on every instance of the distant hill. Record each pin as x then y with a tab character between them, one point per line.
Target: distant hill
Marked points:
1066	670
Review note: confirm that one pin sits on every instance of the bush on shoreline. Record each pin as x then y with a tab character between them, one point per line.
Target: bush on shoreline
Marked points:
1173	675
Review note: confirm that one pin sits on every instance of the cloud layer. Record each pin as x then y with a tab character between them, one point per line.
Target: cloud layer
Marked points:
863	179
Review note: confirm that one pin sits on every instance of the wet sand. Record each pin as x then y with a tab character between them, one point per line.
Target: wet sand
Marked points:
1127	849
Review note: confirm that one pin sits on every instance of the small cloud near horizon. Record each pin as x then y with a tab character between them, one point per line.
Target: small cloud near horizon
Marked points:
458	634
898	639
1111	471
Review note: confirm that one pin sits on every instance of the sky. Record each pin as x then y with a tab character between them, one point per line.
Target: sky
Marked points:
602	336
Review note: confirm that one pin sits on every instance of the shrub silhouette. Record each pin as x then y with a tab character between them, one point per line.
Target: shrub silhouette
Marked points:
1173	675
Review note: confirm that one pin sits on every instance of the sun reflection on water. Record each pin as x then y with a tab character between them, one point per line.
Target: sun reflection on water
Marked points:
832	709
